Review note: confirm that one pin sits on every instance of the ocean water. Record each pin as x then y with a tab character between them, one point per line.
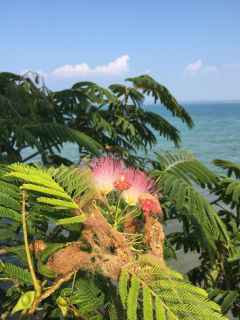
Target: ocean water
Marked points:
216	135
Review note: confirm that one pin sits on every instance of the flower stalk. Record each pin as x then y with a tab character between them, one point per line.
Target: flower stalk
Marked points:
37	286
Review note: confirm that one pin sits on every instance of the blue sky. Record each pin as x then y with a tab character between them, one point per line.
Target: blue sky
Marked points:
190	46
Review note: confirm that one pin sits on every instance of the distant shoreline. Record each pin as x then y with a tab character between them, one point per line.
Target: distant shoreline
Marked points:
202	102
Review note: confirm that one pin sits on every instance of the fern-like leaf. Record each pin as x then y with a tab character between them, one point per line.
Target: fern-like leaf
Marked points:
123	287
132	299
45	190
9	202
160	312
16	272
76	219
10	214
59	203
147	304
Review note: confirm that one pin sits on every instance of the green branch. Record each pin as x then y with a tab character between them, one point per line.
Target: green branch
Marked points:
36	284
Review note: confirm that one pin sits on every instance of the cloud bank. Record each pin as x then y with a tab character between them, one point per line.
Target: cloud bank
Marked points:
117	67
232	66
194	68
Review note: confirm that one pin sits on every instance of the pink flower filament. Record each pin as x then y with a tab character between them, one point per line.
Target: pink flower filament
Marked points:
148	205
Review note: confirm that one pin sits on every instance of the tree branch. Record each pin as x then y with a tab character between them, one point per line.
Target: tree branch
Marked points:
3	251
46	294
215	201
4	315
123	101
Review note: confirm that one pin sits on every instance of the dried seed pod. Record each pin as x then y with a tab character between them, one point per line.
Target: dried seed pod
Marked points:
132	225
37	246
37	79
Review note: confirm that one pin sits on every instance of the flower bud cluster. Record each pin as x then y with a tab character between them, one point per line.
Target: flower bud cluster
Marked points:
148	205
122	185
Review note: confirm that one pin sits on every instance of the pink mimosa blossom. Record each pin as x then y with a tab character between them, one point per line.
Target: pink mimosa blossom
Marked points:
106	171
141	183
148	205
122	185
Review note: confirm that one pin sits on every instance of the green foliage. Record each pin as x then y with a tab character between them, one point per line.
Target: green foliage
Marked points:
91	297
86	114
10	214
57	191
71	220
175	172
123	287
18	273
132	299
173	295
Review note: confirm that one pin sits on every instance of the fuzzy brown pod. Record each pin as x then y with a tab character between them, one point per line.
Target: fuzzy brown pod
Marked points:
37	246
111	267
68	260
37	79
145	196
100	227
132	225
102	237
154	236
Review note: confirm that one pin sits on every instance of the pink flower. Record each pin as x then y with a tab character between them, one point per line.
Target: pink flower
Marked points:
106	171
140	184
122	185
148	205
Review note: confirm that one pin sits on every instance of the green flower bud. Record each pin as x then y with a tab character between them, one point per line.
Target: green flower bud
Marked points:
24	302
61	301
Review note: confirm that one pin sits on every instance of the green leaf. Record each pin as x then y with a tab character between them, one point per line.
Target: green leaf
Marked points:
35	179
57	202
123	287
213	293
181	196
160	313
9	202
10	214
236	193
230	298
18	273
132	299
48	191
147	304
4	235
43	256
71	220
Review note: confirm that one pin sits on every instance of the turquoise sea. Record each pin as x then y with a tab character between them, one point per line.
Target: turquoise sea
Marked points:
216	135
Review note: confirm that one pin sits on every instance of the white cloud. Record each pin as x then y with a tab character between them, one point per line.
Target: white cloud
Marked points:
147	71
210	70
117	67
232	66
192	68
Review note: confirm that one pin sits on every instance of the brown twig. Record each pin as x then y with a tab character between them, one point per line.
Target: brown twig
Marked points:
46	294
4	315
35	315
36	153
3	251
215	201
220	248
123	101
